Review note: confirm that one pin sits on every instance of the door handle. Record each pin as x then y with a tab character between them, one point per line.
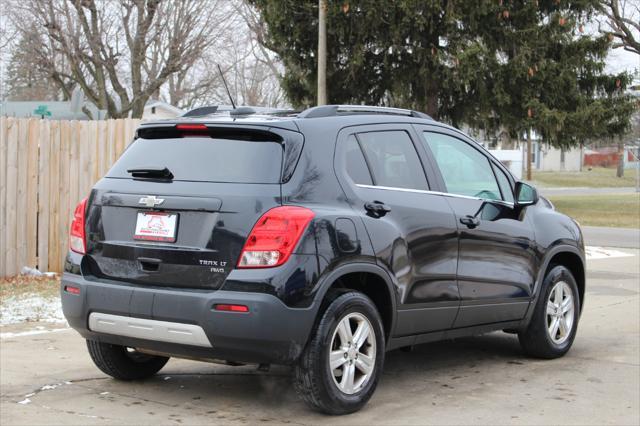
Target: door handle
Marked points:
376	208
470	221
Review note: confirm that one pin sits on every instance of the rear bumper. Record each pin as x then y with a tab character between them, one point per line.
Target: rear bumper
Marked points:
163	319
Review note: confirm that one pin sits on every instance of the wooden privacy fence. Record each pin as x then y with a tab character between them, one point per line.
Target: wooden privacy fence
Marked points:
46	168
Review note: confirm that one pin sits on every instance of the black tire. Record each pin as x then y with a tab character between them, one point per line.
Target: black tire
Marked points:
313	378
123	364
536	339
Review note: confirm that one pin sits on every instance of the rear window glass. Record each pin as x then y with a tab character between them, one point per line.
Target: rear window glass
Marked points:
205	159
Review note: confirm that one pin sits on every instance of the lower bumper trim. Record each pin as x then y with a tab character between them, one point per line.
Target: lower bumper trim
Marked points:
141	328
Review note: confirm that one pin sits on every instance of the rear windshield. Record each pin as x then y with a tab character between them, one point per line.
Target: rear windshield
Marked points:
205	159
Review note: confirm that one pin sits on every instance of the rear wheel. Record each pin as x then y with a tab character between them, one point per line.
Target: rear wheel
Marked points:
340	367
124	363
554	322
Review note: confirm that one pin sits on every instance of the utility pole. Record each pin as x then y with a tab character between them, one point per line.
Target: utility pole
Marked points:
529	154
322	52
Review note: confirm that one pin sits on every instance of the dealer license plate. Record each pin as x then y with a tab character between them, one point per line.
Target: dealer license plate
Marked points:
156	226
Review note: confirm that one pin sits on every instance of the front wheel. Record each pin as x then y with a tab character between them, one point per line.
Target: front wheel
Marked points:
339	369
554	322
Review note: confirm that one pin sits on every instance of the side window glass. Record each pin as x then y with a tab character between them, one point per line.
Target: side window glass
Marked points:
393	160
505	186
464	169
356	165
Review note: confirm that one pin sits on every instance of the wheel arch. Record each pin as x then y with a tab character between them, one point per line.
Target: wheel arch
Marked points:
568	256
573	263
367	278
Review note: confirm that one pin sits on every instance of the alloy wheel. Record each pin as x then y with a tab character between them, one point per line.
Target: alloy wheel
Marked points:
560	312
353	353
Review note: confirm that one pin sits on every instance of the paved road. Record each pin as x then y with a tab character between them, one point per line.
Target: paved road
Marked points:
611	237
553	192
480	380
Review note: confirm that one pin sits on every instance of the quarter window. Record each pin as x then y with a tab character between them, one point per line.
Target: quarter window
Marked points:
505	186
464	169
393	160
356	165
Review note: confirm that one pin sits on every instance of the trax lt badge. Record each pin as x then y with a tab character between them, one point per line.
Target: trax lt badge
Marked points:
151	201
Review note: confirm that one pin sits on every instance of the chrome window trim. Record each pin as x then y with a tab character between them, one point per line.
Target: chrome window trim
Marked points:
422	191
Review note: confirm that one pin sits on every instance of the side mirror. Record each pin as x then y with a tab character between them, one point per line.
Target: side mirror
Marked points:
526	195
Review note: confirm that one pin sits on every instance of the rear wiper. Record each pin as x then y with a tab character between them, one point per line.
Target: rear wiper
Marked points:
151	172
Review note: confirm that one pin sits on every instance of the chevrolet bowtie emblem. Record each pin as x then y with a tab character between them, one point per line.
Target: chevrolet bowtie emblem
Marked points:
151	201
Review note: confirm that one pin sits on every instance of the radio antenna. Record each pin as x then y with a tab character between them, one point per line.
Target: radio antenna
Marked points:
233	104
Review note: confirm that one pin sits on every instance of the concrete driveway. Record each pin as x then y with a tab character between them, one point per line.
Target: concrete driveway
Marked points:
48	378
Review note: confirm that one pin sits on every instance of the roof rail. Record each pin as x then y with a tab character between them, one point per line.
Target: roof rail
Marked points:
333	110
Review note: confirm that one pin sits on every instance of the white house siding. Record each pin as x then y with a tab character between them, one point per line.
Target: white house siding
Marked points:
551	160
511	158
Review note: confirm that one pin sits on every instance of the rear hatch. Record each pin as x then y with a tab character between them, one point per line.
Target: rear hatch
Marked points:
177	207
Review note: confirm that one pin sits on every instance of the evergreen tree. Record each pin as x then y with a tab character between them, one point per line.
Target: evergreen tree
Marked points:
380	52
26	79
513	64
542	72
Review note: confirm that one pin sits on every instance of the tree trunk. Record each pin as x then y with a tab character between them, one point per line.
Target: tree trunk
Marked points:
138	106
620	171
529	154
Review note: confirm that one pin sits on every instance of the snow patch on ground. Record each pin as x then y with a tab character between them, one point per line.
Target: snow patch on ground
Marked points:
38	330
30	307
54	386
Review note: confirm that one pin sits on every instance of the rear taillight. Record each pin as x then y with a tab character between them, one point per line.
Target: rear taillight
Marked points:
76	234
274	237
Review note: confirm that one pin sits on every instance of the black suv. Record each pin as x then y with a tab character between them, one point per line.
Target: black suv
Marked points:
320	240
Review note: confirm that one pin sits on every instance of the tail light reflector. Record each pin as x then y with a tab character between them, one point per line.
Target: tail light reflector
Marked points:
274	237
71	289
77	233
231	308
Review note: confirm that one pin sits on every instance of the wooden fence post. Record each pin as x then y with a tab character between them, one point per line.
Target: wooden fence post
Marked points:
32	192
54	200
21	202
11	197
3	195
44	195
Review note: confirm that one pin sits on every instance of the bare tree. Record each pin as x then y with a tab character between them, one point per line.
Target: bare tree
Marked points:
252	71
25	77
121	52
623	23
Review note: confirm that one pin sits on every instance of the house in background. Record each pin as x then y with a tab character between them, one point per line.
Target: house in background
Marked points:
65	110
158	110
512	153
551	159
52	110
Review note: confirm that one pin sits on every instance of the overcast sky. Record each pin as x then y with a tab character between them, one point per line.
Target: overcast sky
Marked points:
620	60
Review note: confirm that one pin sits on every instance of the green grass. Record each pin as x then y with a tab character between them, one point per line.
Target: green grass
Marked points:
595	178
621	211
